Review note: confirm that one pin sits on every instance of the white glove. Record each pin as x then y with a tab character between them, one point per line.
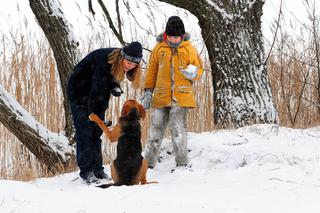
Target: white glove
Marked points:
190	72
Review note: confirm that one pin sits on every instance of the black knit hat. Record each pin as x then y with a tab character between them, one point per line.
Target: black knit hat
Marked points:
175	26
132	52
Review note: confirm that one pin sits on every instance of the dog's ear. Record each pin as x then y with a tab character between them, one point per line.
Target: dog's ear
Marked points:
142	111
126	109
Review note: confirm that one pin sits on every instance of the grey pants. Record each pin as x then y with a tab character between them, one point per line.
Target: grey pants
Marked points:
176	117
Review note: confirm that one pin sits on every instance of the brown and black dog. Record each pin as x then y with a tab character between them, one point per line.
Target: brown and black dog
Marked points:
129	168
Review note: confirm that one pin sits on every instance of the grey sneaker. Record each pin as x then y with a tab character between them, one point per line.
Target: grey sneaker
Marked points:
184	166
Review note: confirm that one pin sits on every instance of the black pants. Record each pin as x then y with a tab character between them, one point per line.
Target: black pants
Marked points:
89	154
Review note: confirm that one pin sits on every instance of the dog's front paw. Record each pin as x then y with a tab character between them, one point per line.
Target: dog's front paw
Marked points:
91	116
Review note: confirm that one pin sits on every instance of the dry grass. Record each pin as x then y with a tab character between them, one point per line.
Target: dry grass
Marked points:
294	82
28	73
30	76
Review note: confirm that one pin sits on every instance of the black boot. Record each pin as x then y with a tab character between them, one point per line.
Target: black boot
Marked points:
101	174
89	178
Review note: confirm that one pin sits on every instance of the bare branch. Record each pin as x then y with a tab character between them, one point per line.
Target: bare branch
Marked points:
107	14
275	34
118	16
91	8
300	97
148	31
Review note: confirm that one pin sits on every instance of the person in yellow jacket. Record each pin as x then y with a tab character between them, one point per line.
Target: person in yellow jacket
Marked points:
173	66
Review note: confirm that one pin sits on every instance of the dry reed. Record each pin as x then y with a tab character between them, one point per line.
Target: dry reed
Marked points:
28	72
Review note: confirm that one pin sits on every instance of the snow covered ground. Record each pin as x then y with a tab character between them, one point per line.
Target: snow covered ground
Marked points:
256	169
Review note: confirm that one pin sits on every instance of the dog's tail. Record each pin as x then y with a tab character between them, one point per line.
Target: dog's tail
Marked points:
107	185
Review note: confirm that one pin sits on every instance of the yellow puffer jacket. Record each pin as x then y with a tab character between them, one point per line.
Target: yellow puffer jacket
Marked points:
166	79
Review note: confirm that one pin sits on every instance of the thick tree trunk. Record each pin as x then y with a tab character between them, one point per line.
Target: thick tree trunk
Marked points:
55	28
233	37
50	148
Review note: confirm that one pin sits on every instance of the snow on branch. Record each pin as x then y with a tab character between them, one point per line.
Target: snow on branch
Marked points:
54	8
222	11
56	141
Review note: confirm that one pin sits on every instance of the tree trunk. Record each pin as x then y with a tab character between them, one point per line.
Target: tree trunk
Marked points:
50	148
233	37
55	28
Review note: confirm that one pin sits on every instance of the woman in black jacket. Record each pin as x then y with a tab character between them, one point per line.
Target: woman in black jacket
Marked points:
94	78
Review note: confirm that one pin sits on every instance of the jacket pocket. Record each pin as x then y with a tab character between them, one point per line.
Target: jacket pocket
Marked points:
184	89
159	90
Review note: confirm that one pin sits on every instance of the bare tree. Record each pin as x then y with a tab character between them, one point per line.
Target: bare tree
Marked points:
56	29
233	37
54	150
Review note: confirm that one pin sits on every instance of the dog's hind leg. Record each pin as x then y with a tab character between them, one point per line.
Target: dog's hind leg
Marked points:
143	173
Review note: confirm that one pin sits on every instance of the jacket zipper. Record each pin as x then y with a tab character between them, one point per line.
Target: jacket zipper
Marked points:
173	99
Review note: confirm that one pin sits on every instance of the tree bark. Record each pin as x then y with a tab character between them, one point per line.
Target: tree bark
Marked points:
55	28
48	147
232	34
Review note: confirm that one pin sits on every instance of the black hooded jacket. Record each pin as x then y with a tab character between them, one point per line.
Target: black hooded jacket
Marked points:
91	81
